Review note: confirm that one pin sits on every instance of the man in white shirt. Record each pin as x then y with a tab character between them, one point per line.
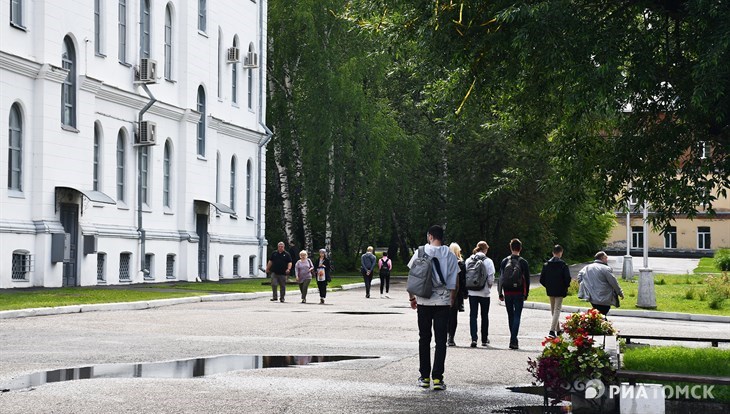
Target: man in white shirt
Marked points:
434	311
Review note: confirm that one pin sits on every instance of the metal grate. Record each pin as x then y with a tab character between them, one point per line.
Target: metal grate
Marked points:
100	265
235	265
22	265
124	259
170	267
148	261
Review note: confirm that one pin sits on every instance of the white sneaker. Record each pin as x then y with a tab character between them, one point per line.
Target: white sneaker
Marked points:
382	297
386	295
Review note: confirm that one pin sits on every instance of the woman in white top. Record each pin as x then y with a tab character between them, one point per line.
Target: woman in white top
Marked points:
480	298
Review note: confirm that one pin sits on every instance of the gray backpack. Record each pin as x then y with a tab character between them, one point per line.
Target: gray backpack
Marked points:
420	276
476	276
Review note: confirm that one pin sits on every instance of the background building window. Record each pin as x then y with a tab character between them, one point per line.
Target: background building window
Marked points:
144	173
170	266
21	265
637	237
168	43
98	29
218	178
149	264
703	238
220	265
249	76
121	155
233	184
100	267
202	15
124	260
236	260
68	90
16	13
144	37
201	121
97	157
166	168
15	149
248	188
670	237
251	264
234	75
123	31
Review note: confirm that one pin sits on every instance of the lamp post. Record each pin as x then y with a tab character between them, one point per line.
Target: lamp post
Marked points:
627	273
647	294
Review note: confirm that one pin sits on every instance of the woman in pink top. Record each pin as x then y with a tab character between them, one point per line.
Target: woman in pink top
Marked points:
304	269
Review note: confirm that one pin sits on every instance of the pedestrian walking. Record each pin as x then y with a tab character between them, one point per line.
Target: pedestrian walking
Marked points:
480	298
433	311
555	276
385	265
304	269
368	266
279	266
324	268
460	294
514	288
598	285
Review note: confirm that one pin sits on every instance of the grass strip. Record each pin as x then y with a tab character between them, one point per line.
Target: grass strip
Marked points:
52	297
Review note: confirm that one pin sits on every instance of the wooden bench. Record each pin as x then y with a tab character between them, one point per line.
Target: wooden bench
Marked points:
714	341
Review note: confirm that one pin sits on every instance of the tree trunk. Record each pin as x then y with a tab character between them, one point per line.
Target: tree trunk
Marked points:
330	194
284	190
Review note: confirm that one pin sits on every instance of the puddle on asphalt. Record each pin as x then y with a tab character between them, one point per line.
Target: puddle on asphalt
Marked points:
184	368
366	313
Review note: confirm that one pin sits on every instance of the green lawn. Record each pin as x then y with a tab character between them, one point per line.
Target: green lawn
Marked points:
51	297
706	265
245	285
671	295
680	360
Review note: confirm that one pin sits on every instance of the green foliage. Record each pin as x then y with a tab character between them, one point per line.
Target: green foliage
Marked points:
722	259
706	265
718	290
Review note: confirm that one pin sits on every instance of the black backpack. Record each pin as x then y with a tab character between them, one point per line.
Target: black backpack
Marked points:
384	269
512	277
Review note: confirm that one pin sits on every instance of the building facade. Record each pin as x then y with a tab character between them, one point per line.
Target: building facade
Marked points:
684	237
133	141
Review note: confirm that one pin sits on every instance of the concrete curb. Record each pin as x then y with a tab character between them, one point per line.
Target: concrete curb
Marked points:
638	313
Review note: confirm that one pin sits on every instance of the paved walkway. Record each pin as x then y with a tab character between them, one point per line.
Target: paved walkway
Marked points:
477	378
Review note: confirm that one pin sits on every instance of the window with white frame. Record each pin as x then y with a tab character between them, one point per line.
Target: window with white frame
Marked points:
144	173
149	264
704	241
202	15
166	171
670	237
248	188
68	89
144	26
121	159
201	121
15	149
218	178
234	75
122	41
100	267
170	267
236	261
249	76
637	237
233	184
98	27
21	265
97	157
168	42
16	13
220	62
124	261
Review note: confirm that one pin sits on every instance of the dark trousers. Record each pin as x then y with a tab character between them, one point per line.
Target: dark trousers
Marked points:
278	280
475	302
368	280
384	282
322	285
454	316
436	317
514	304
602	308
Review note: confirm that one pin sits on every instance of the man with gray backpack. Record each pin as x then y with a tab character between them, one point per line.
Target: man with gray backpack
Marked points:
432	289
479	281
514	287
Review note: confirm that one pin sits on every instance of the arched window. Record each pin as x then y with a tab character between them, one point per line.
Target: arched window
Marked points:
121	155
234	75
248	188
249	77
201	121
122	31
168	42
68	90
202	15
97	157
15	149
166	169
233	183
144	36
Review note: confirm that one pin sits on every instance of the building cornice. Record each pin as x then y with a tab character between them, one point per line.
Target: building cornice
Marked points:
235	131
19	65
52	73
132	100
90	84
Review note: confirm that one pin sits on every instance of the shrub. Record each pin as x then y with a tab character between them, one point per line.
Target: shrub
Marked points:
689	294
573	288
718	289
660	282
722	260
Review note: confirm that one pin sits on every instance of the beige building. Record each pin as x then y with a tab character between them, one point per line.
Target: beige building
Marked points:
700	236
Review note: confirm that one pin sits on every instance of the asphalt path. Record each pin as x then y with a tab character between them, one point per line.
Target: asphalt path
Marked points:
349	324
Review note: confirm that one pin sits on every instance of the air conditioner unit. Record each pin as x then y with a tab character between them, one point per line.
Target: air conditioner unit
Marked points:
147	133
233	55
147	70
251	61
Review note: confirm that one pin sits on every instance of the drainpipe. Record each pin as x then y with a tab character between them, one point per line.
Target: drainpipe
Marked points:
140	229
264	140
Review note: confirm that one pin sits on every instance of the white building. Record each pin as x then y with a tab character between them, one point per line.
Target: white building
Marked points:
76	79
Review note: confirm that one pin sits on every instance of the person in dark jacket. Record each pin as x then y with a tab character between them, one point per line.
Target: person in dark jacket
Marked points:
460	295
555	276
514	297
